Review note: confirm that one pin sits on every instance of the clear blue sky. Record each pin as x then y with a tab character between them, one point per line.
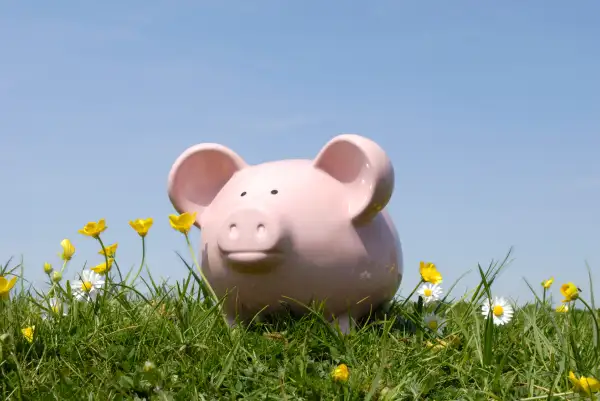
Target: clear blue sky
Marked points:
490	113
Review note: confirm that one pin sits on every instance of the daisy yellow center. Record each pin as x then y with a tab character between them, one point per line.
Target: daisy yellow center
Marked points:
428	292
498	310
55	308
86	286
433	325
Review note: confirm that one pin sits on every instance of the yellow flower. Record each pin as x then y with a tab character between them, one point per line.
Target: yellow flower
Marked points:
6	286
56	276
434	347
102	269
584	385
68	249
340	373
450	341
562	308
546	284
141	226
182	223
149	366
569	291
110	250
28	333
93	229
47	268
430	273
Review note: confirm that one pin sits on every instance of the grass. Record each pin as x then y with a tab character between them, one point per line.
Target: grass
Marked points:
168	343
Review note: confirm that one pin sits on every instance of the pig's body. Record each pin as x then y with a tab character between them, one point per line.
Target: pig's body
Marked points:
294	230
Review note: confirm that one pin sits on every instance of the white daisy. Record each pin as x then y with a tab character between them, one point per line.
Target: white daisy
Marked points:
501	310
435	323
430	292
87	288
56	307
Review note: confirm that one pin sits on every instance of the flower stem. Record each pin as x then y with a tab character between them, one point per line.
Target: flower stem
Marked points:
412	293
106	260
64	266
544	298
106	275
117	265
204	281
142	263
593	313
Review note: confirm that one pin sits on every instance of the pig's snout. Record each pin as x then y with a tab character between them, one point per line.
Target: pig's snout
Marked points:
251	237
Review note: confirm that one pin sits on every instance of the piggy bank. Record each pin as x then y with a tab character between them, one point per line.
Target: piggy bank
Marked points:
290	232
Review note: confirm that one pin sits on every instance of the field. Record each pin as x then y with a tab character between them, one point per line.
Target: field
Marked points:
98	338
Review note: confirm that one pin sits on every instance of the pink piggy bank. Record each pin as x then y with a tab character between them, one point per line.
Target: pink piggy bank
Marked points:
294	230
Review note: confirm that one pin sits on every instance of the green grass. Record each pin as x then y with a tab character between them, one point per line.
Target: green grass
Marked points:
99	351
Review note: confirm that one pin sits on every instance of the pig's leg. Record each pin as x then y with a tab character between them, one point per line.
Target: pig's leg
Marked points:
231	321
259	318
386	306
343	321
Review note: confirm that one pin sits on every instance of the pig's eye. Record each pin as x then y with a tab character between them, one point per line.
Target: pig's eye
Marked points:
243	193
274	192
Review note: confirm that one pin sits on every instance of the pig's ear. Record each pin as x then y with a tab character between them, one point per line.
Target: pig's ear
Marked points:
364	168
198	175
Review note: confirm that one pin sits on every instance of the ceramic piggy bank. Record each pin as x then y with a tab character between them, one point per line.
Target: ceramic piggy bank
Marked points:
295	231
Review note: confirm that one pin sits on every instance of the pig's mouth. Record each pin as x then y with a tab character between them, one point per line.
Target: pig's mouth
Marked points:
253	261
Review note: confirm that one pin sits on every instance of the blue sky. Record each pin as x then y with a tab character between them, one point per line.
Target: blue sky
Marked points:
489	112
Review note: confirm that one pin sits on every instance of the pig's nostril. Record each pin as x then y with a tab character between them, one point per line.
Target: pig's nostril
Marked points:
260	230
233	231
